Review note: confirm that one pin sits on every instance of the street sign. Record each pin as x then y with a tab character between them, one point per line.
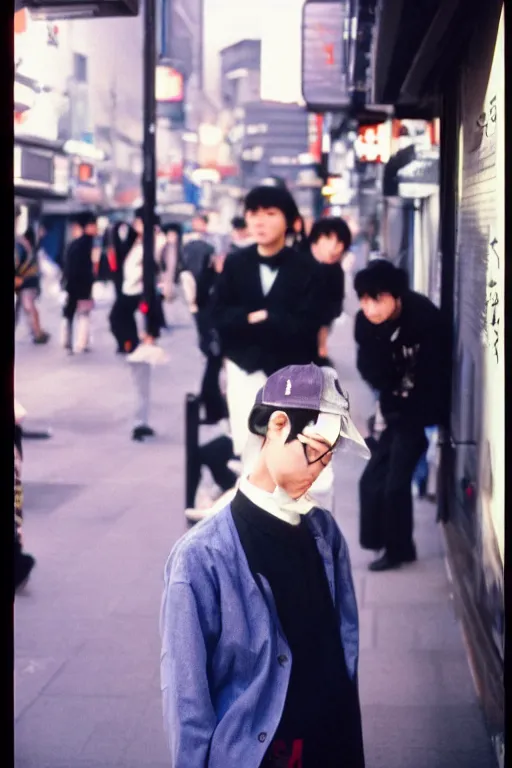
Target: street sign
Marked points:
324	71
79	9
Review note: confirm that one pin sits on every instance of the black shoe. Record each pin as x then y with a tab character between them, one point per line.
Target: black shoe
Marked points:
388	563
139	433
22	569
43	338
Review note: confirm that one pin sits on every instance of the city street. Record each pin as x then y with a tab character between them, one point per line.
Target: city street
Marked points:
102	514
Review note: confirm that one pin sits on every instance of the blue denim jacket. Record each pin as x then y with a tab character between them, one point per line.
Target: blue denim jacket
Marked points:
225	663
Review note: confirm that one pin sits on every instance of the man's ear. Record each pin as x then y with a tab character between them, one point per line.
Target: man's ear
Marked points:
278	422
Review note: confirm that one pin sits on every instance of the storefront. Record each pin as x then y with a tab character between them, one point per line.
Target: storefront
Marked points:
453	62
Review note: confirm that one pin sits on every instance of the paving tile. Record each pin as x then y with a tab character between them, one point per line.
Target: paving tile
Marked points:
407	679
113	667
418	627
455	730
57	729
422	582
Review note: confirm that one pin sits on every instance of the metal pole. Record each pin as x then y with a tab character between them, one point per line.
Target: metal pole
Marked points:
149	169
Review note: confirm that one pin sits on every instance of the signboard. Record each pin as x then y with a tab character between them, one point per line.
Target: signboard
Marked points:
373	143
169	95
41	169
168	84
315	124
324	76
81	9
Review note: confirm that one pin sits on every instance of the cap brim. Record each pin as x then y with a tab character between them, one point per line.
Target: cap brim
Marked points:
352	440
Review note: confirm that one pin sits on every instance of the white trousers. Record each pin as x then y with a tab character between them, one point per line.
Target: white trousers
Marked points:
241	391
141	375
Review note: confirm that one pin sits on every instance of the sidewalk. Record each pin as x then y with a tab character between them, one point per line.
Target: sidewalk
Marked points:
102	514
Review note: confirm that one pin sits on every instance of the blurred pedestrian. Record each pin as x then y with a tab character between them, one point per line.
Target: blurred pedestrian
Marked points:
78	276
130	284
240	237
199	277
23	562
27	281
401	342
266	305
259	648
330	241
170	260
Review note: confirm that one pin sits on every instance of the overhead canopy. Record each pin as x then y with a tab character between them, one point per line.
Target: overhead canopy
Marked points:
416	44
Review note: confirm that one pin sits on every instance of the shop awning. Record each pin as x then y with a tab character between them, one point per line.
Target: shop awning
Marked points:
414	44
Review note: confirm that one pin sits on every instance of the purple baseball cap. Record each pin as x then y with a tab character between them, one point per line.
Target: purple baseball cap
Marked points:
309	387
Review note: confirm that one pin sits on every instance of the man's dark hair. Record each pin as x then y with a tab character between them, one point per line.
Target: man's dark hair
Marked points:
177	228
238	223
139	214
381	276
273	197
83	218
299	419
331	225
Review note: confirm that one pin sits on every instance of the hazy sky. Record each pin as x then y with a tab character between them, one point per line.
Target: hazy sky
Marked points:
276	23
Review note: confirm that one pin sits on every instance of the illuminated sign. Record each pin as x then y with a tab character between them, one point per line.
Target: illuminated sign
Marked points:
168	84
85	173
315	130
324	75
373	143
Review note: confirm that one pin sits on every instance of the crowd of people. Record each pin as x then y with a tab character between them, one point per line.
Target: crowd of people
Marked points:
265	579
259	617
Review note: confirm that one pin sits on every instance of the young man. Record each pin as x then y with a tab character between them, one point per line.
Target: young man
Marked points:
330	240
401	342
259	618
266	305
78	279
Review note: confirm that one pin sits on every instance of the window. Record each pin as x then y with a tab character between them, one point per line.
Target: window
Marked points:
80	67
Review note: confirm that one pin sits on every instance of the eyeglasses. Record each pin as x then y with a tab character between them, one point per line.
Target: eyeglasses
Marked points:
311	451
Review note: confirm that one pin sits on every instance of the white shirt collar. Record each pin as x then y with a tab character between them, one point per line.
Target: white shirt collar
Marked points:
267	501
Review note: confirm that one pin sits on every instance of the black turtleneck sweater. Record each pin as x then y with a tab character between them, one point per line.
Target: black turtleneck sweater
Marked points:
321	721
289	335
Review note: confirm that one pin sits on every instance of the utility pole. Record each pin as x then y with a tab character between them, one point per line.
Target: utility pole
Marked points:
149	168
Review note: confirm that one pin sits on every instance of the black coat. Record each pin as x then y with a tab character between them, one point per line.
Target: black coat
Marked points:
407	362
289	335
78	272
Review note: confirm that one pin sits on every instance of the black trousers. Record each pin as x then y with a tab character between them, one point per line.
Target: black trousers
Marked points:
122	321
386	508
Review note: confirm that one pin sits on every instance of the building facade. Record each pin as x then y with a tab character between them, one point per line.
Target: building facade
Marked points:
240	80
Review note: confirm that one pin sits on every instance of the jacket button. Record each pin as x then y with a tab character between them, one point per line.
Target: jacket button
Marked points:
262	737
283	660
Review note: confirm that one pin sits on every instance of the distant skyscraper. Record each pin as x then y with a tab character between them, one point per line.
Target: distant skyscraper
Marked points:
184	36
240	73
